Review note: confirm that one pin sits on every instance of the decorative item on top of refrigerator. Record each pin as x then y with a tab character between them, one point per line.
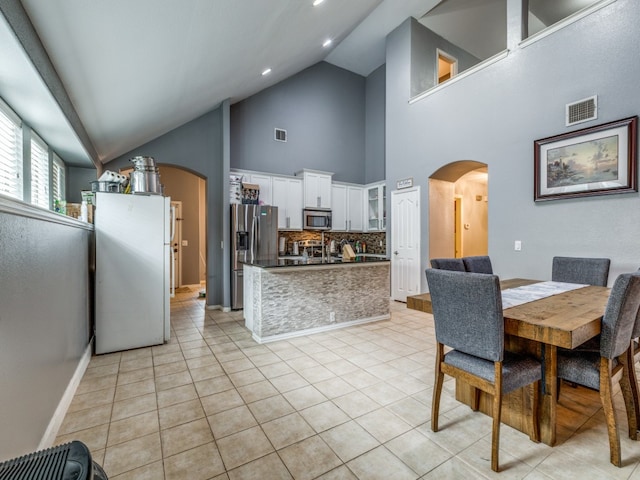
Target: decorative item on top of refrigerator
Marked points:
145	177
235	189
110	182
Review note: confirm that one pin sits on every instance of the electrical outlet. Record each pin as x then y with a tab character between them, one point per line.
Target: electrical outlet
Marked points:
332	317
517	246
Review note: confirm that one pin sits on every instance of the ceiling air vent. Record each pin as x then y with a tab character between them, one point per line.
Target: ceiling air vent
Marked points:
582	110
280	135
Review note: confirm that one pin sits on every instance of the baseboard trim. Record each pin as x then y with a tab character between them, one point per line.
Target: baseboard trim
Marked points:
213	307
324	328
55	423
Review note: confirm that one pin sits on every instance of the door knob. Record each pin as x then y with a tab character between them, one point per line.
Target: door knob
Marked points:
395	253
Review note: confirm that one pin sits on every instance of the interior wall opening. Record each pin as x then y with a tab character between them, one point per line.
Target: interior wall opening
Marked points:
188	189
188	200
458	210
447	66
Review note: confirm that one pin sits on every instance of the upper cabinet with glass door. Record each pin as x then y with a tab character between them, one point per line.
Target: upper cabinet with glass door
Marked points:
375	208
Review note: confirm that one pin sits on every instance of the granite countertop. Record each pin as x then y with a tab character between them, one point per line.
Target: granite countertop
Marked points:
311	261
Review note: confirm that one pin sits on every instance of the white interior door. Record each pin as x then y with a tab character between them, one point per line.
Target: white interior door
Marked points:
176	245
405	243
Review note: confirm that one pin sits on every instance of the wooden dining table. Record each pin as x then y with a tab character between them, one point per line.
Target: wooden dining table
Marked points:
539	327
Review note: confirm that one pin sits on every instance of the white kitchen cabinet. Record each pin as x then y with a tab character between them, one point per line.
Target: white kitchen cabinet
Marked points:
355	209
339	208
347	208
287	196
375	208
317	188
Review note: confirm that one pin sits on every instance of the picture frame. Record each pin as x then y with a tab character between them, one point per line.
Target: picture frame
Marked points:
599	160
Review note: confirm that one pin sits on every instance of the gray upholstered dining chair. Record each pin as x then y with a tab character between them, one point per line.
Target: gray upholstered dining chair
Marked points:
632	358
467	311
478	264
453	264
612	364
590	271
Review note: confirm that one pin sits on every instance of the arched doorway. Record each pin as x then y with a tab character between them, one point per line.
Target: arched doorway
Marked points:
458	210
190	247
188	196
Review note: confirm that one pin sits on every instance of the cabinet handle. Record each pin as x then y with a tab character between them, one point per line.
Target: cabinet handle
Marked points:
346	227
349	224
319	199
288	221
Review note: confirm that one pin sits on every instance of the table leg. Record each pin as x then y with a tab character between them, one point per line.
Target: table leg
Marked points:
549	395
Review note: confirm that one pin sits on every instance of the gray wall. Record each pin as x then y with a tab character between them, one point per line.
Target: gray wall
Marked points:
44	321
198	146
494	115
79	179
424	46
374	125
323	110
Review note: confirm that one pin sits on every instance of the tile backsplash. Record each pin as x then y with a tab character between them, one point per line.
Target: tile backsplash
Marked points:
376	241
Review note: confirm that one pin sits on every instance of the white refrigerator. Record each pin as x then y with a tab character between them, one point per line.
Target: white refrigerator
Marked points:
133	234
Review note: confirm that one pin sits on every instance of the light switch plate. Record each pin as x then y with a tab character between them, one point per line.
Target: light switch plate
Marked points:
517	246
185	243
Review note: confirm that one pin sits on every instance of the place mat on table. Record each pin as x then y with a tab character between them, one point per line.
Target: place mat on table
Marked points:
512	297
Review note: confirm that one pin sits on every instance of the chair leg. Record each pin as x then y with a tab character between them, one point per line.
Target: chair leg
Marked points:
630	397
633	380
606	397
437	388
475	399
497	412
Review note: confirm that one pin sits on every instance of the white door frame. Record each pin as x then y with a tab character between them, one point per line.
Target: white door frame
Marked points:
405	251
176	245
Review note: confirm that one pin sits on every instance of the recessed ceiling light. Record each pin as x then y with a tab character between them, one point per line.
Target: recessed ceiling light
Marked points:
327	42
317	2
266	72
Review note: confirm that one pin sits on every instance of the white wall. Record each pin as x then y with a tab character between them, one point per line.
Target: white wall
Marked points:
494	115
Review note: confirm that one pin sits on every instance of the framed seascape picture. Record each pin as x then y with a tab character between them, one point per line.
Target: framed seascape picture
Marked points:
599	160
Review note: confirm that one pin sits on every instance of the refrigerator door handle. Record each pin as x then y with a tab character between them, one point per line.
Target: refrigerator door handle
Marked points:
254	240
172	287
173	222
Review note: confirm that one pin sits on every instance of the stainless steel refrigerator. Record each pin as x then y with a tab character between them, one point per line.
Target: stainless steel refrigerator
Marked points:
254	236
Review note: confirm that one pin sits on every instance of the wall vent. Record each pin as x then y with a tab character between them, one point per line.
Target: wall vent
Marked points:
280	135
582	110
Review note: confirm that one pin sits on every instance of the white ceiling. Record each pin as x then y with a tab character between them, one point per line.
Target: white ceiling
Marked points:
135	70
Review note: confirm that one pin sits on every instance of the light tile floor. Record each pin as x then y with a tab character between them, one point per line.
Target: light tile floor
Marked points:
351	403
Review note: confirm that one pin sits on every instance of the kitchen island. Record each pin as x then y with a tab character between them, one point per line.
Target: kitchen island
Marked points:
288	298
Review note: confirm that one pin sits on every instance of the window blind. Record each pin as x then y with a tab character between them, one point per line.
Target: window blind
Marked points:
58	180
10	153
39	172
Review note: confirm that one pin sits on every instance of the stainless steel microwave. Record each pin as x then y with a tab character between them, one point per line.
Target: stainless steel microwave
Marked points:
316	219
